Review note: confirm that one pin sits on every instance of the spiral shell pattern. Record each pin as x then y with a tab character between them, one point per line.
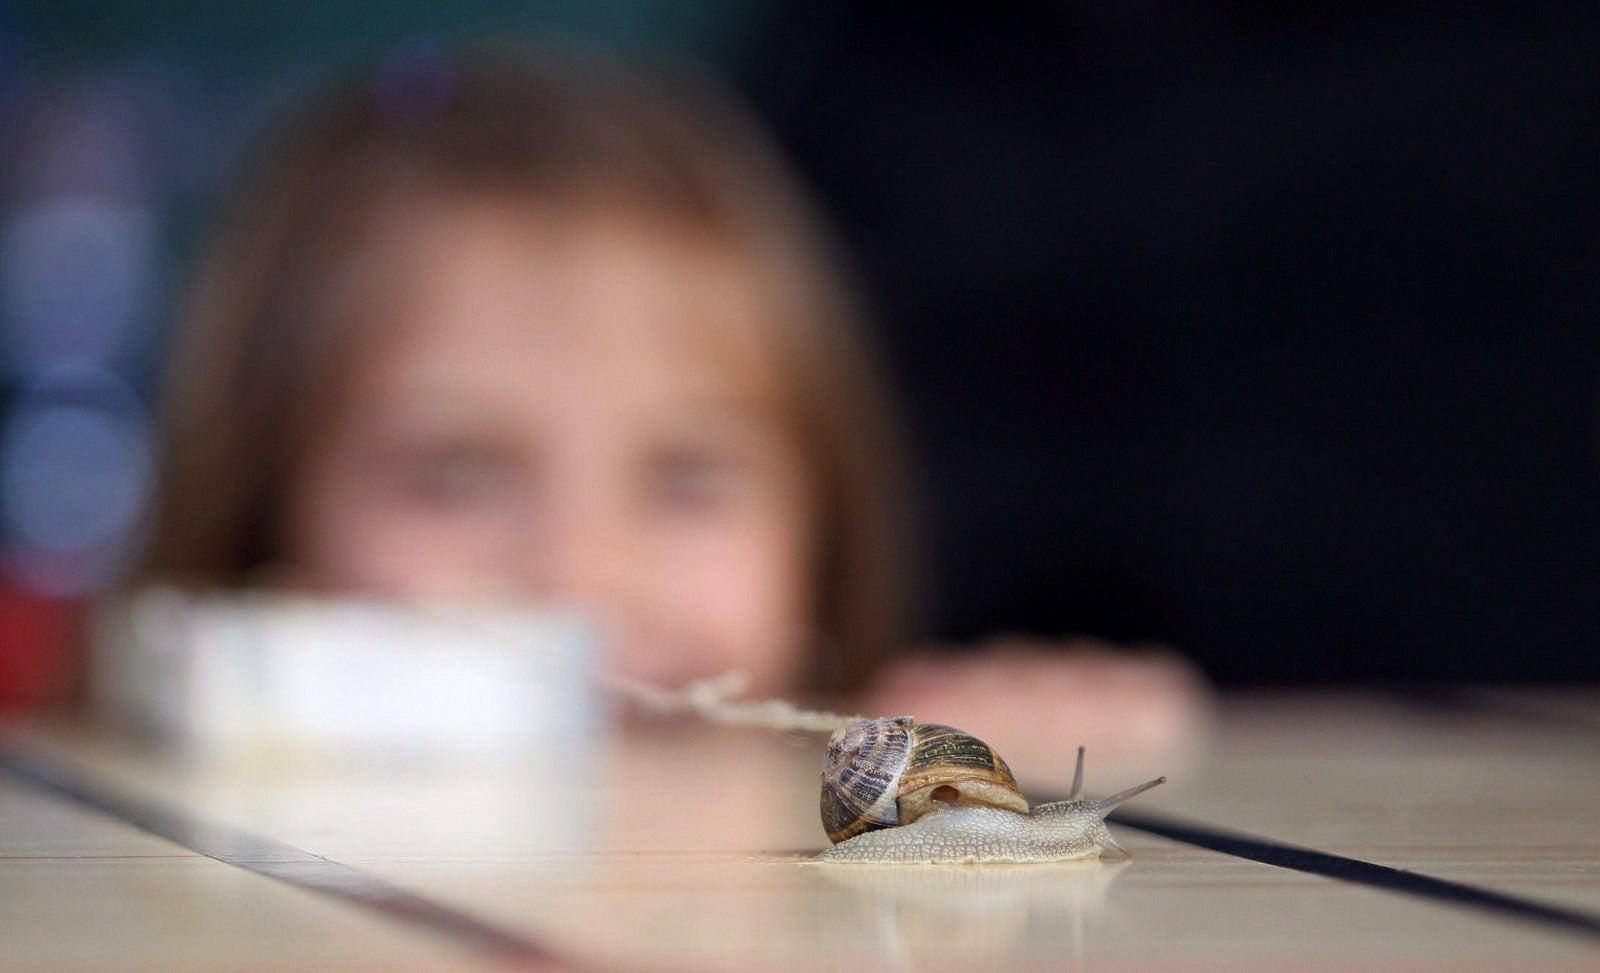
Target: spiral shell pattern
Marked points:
861	782
888	772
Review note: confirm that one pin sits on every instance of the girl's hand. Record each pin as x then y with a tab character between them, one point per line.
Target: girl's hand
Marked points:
1033	699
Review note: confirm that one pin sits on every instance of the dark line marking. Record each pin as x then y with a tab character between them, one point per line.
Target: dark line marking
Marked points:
285	863
1311	861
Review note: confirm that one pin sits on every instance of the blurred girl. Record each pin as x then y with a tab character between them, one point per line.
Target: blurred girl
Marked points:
497	330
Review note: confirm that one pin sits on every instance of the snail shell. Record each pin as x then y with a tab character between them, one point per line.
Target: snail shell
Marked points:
889	772
899	791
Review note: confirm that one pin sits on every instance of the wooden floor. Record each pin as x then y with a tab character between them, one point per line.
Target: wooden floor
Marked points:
687	852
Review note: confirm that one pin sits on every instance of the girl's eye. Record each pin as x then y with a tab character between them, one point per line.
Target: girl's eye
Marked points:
694	481
455	477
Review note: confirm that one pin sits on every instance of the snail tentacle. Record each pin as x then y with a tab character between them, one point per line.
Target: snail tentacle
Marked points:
1105	805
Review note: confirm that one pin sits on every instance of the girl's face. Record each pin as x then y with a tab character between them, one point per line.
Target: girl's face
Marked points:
577	408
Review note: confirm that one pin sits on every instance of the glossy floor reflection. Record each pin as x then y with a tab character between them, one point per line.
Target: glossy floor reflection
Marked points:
688	850
929	916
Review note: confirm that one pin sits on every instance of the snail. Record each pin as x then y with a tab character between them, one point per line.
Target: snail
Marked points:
895	790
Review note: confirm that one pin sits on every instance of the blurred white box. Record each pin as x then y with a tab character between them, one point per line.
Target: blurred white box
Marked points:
264	675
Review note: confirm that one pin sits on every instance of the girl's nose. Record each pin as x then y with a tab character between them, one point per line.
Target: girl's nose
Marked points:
575	553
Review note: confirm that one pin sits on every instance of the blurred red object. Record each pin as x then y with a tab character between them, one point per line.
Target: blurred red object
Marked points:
38	647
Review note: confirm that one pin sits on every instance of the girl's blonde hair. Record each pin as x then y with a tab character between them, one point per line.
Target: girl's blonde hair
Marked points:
255	357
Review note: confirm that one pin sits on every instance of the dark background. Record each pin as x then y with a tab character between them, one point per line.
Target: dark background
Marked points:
1267	330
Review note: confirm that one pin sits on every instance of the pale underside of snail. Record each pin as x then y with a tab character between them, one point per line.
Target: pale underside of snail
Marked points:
898	791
